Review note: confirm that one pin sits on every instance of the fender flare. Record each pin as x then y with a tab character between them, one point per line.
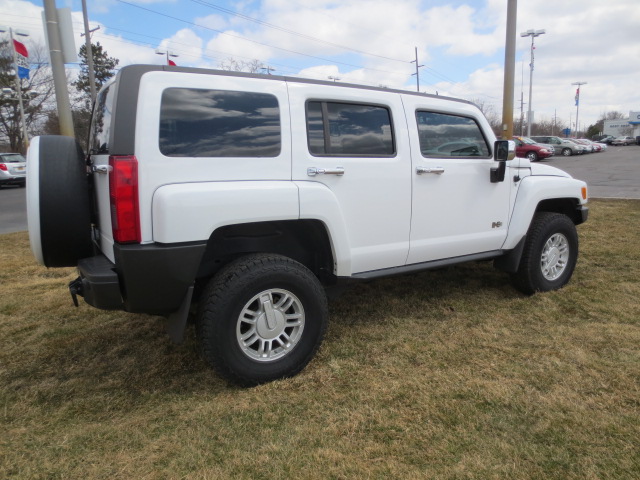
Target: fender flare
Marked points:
533	190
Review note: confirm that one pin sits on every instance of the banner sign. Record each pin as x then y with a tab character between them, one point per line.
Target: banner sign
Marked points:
22	59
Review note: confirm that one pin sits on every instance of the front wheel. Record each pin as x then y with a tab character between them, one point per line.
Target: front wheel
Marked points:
566	152
261	318
532	156
550	254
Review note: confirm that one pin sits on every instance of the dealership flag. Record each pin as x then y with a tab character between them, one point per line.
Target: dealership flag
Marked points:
171	62
578	96
22	59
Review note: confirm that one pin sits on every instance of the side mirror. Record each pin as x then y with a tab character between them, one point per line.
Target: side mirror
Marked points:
503	150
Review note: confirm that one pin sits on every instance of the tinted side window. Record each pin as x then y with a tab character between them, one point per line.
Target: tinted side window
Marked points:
347	129
101	121
444	135
218	123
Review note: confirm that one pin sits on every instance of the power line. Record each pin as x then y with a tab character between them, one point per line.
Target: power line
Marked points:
293	32
249	40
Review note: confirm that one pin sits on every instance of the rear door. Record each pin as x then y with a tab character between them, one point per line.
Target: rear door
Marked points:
354	144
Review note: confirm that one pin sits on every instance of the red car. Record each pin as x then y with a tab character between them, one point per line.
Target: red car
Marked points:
527	148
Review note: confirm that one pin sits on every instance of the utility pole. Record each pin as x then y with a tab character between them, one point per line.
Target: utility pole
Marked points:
87	43
509	70
57	68
417	74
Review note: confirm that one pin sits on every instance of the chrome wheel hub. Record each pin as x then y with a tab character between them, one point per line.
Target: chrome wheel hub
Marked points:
555	255
270	325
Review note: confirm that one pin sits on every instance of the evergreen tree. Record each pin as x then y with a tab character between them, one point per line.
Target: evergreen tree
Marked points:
103	68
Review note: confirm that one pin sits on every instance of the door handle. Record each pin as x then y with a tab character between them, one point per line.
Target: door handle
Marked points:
436	170
313	171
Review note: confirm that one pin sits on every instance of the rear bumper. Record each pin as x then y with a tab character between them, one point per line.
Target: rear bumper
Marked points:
150	279
13	180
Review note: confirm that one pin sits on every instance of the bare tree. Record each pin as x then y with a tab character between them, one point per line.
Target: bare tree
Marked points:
233	65
491	114
37	92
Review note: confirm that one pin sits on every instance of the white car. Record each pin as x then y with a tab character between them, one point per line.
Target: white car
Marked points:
247	196
13	169
624	141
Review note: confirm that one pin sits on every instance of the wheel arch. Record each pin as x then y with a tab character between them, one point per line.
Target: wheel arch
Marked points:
305	241
540	193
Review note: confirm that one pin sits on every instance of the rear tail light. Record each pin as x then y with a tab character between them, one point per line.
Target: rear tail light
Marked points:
123	194
3	167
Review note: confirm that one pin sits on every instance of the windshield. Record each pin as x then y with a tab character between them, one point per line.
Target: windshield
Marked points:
527	140
12	158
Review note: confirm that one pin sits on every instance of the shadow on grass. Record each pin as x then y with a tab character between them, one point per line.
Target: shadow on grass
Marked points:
97	361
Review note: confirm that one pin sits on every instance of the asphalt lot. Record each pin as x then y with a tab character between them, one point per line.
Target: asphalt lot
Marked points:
611	174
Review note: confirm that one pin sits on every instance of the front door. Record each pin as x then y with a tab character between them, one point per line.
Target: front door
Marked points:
457	211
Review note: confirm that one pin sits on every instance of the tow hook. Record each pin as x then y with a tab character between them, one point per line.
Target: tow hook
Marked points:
75	288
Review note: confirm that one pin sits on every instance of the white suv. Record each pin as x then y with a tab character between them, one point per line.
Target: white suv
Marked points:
247	196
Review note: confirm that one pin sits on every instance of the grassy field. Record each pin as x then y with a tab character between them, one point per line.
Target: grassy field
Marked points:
449	374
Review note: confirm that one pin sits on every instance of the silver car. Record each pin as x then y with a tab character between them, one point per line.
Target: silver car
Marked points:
13	169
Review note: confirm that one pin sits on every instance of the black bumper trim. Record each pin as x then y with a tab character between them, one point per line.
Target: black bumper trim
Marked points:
100	285
154	278
151	279
583	213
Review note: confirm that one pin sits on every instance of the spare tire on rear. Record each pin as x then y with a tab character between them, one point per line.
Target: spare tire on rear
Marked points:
58	201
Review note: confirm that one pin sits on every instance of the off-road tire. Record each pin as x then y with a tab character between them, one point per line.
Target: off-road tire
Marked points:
225	301
551	237
58	201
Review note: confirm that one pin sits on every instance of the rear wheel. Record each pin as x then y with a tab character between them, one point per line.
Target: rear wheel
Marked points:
261	318
550	254
58	205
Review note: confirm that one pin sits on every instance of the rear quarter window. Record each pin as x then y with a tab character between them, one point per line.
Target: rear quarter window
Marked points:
219	123
101	121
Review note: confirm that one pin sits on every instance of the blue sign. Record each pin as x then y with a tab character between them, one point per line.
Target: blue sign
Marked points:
566	132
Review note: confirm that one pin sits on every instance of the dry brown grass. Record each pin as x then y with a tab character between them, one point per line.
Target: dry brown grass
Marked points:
447	374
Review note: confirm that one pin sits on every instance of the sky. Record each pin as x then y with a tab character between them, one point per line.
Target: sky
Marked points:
460	44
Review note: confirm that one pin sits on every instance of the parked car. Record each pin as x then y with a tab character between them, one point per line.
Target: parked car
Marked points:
581	148
597	147
606	139
624	141
13	169
548	146
527	148
588	148
564	145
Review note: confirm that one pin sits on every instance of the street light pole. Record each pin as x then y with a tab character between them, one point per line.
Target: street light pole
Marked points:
168	54
579	84
532	34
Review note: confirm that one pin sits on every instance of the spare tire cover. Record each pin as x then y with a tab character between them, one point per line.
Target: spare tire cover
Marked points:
58	201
